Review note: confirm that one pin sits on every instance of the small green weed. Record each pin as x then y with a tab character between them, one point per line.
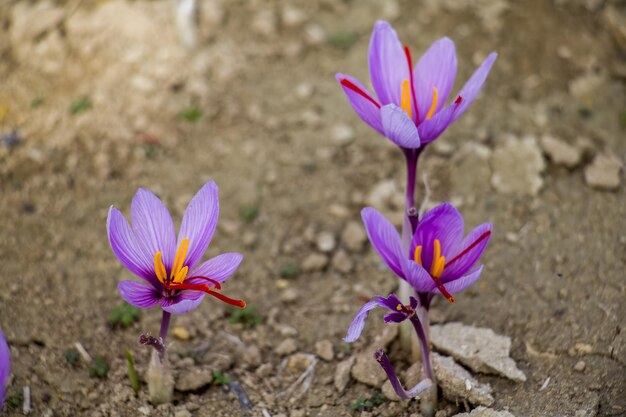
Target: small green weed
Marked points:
191	114
81	105
246	316
248	213
219	378
71	356
124	316
289	270
99	368
367	404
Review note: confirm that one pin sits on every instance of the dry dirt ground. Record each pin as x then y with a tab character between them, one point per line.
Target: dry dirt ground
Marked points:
276	133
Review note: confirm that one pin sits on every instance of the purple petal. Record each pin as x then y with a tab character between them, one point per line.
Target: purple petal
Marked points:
443	222
125	247
5	367
413	302
387	63
391	302
398	127
153	227
385	363
384	238
436	68
138	294
364	108
460	284
357	325
219	268
199	222
471	89
417	276
430	129
185	305
394	317
471	249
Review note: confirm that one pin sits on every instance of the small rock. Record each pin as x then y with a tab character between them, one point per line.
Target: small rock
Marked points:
517	166
457	384
297	413
479	348
182	413
583	348
342	373
194	378
485	412
353	237
604	172
342	134
181	333
326	242
339	211
249	238
367	370
315	34
580	366
304	90
299	362
252	355
286	347
314	262
292	16
145	410
265	22
381	194
560	152
342	262
324	349
290	295
264	370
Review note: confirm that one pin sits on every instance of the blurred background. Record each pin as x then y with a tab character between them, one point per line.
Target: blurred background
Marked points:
98	98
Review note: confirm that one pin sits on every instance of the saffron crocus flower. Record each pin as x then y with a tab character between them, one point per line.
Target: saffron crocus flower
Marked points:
5	367
440	260
170	267
409	107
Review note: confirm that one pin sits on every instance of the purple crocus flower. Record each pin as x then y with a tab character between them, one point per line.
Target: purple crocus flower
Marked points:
410	103
440	260
5	367
169	266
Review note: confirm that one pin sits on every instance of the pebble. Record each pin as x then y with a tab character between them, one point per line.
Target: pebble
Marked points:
145	410
264	370
315	34
181	333
342	262
249	238
517	166
304	90
182	413
292	16
381	194
342	373
580	366
290	295
459	385
286	347
353	237
561	152
252	355
485	412
326	242
299	362
342	134
314	262
194	378
297	413
324	349
264	22
479	348
604	172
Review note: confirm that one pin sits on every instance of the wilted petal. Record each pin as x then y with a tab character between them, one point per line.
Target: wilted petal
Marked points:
387	63
436	68
444	223
5	367
220	267
394	317
125	247
471	89
138	294
468	253
385	363
399	128
391	302
357	325
462	283
153	226
199	222
363	104
385	239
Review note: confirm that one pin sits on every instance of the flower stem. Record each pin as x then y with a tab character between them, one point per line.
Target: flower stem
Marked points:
385	363
165	324
420	321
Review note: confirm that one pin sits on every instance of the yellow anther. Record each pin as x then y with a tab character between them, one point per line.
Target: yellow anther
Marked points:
399	307
179	260
438	262
406	98
433	105
159	268
417	255
181	275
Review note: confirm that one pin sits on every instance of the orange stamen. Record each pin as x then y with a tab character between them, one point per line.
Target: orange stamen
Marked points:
433	105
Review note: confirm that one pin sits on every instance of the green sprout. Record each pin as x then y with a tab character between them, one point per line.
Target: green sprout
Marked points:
36	102
132	373
99	368
81	105
14	400
219	378
191	114
343	40
367	404
622	119
124	316
248	213
246	316
71	356
289	270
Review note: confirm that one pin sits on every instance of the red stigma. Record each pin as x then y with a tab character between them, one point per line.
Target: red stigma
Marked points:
215	283
445	292
469	248
458	100
207	290
349	84
409	61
